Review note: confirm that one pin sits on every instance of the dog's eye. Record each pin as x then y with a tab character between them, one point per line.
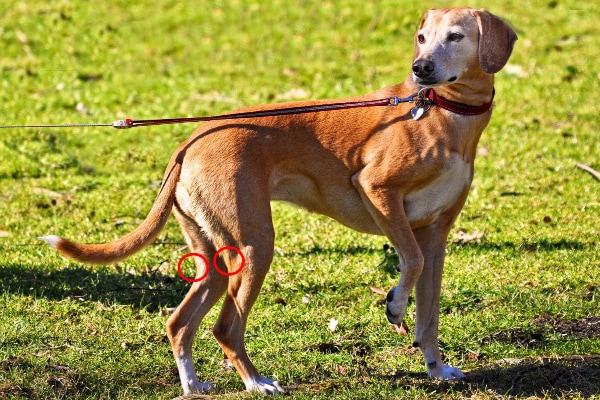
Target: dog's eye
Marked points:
421	39
455	37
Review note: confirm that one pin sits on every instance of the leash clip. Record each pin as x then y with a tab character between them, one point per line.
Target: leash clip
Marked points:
417	97
423	100
422	104
394	101
411	98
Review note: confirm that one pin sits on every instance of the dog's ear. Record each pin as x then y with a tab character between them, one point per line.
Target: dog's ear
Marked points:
496	41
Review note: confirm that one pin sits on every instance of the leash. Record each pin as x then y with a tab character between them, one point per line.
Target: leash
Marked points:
131	123
424	99
53	126
389	101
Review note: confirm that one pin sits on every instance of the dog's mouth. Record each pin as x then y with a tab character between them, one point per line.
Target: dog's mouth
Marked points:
431	83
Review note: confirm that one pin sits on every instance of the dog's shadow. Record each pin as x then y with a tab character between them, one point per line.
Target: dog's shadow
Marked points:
558	377
157	290
152	291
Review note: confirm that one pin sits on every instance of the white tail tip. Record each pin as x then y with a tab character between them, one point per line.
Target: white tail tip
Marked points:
52	240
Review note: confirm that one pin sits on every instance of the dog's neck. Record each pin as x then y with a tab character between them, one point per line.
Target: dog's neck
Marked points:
463	92
456	107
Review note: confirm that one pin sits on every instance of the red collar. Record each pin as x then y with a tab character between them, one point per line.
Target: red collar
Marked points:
458	108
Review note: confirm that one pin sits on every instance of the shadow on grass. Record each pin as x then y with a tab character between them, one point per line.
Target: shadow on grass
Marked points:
156	290
349	250
560	377
151	291
389	258
535	246
529	246
47	380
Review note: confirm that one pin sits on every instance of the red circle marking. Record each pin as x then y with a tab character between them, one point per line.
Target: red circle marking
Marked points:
228	248
185	278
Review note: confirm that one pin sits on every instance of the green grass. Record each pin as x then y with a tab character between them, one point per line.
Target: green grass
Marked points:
508	303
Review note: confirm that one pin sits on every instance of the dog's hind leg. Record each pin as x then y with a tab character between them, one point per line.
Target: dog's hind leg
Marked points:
432	240
202	296
255	239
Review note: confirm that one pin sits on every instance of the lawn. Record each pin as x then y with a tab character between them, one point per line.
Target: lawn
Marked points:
521	293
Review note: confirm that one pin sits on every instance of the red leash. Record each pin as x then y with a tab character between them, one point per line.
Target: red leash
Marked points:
423	100
390	101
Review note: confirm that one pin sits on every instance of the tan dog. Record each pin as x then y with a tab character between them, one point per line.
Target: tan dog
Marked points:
376	170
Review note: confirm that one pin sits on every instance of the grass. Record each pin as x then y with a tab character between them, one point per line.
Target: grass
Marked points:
519	306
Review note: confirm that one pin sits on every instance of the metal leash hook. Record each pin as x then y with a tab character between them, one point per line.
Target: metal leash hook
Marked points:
422	104
394	101
423	98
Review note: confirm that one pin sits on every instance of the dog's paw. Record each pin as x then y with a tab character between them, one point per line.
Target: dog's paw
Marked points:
264	386
199	387
396	307
445	372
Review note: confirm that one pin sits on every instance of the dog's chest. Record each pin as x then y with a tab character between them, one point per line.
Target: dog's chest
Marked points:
427	203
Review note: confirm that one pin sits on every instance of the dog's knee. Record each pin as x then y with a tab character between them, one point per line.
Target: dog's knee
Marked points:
411	265
220	333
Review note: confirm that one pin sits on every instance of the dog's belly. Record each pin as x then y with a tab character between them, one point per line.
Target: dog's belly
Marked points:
342	203
426	204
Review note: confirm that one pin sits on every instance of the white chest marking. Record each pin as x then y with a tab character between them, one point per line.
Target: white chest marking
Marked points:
441	194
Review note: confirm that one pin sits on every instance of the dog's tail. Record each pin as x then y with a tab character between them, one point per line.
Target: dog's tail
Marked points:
132	242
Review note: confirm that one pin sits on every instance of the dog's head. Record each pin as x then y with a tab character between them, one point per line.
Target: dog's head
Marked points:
451	44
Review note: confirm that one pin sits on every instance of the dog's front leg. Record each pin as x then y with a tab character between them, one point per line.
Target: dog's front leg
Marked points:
385	204
432	240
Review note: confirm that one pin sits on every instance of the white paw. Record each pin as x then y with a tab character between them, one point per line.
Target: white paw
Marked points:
445	372
199	387
264	386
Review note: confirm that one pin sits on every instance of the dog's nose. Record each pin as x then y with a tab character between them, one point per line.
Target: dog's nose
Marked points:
423	68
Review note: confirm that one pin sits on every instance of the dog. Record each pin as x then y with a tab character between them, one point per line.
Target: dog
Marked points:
403	172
